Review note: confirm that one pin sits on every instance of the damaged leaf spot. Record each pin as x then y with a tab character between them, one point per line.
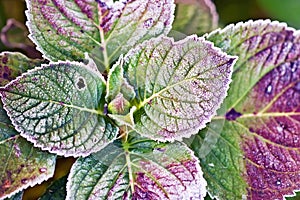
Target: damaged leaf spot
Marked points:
81	84
232	115
54	114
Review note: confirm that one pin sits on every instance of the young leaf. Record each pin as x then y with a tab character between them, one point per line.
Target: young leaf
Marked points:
56	191
119	92
179	85
22	164
59	107
138	169
64	30
256	155
195	16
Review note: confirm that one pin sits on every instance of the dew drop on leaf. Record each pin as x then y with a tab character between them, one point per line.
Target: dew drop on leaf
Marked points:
278	182
43	170
24	181
269	89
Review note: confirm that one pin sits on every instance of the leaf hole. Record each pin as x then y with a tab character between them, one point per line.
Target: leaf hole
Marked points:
80	83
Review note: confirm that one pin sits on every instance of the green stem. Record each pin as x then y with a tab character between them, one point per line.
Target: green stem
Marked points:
131	180
124	132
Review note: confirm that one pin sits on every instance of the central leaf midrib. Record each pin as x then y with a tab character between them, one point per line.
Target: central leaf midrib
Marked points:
61	103
145	101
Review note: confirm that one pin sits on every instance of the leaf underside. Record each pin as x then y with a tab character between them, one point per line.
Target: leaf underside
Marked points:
178	85
58	107
255	153
145	169
22	164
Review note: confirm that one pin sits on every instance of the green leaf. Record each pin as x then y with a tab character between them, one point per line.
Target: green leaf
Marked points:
119	92
178	85
255	154
12	64
195	16
64	30
22	164
138	169
59	108
56	191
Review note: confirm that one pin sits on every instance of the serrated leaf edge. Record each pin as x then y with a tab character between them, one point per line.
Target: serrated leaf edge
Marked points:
203	186
239	25
31	184
27	137
197	39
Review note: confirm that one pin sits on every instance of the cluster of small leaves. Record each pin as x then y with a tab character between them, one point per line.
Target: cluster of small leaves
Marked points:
147	114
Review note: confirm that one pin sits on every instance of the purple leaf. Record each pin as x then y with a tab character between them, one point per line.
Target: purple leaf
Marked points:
256	152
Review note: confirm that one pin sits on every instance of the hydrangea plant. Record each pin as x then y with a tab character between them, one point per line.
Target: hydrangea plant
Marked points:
150	113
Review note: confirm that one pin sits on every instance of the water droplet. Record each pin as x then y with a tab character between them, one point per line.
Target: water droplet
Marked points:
294	67
24	181
211	164
148	23
279	129
43	170
278	182
269	89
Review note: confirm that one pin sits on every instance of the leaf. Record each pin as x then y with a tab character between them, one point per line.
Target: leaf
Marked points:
17	196
195	16
119	92
178	85
56	191
59	108
22	164
256	153
64	30
137	169
13	64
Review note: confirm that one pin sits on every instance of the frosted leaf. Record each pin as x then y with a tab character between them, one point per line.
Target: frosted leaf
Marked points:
65	29
21	162
12	64
137	169
59	108
119	92
256	155
178	85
